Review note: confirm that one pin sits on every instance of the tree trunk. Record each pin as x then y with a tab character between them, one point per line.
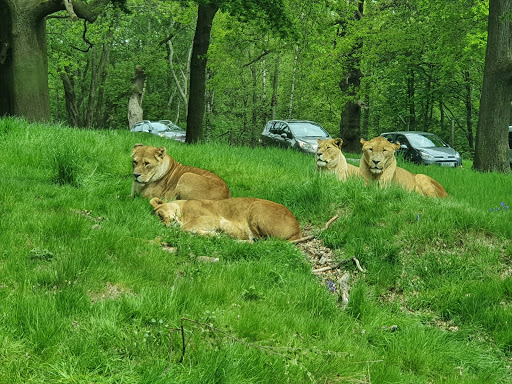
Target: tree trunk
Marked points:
198	61
350	125
135	112
294	75
276	84
254	119
24	79
24	70
410	100
492	135
68	83
469	110
181	86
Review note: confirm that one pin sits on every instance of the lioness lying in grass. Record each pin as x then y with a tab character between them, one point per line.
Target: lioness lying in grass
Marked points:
245	218
157	174
378	163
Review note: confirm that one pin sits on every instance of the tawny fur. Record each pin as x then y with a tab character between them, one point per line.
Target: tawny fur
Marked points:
157	174
378	163
329	158
245	218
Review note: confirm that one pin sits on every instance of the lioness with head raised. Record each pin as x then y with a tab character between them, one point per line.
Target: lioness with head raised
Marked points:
330	158
378	163
157	174
245	218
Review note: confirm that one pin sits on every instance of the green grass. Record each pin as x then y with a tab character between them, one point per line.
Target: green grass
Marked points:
87	294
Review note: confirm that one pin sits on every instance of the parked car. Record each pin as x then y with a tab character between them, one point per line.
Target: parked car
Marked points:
424	148
296	134
162	128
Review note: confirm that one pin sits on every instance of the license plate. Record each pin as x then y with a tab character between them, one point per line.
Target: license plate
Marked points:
448	164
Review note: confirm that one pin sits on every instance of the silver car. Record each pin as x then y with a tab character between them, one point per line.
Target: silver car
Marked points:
296	134
424	148
162	128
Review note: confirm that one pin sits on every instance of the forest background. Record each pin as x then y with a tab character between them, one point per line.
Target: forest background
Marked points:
358	68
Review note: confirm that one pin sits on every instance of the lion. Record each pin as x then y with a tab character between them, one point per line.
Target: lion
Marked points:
330	158
245	218
378	163
157	174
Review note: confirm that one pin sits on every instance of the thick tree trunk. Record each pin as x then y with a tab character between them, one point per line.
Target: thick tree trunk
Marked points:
24	70
492	135
135	112
198	61
350	125
24	79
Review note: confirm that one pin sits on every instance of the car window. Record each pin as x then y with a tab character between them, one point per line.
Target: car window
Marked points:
426	141
158	127
275	128
402	140
390	138
304	129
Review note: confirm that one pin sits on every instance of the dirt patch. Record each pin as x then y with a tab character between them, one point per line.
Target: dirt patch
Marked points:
111	291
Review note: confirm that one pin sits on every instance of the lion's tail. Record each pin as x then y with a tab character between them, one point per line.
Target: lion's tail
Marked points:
430	187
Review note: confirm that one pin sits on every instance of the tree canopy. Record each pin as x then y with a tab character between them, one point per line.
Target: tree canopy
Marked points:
421	65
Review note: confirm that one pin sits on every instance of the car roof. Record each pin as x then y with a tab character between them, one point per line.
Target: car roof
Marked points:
295	121
407	132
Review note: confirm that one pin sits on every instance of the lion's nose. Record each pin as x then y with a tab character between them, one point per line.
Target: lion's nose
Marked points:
376	162
136	175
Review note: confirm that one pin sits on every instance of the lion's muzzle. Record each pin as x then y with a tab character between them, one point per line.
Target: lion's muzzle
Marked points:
137	178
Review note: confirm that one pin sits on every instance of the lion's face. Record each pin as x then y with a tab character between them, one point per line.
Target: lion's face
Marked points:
328	153
167	212
149	163
378	154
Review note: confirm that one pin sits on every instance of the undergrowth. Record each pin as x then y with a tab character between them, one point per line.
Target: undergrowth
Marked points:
88	293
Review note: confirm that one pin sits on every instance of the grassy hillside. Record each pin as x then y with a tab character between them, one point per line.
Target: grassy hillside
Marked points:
89	294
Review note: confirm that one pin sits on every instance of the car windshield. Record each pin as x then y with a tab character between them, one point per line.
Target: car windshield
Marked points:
159	127
304	129
425	141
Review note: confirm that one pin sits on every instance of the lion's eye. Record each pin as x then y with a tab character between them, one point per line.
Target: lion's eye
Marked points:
146	163
134	162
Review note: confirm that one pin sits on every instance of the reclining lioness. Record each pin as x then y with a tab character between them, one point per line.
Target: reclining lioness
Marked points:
245	218
378	163
330	158
157	174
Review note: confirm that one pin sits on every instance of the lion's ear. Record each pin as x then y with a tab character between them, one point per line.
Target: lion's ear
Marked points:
319	141
338	143
136	146
161	152
396	145
363	141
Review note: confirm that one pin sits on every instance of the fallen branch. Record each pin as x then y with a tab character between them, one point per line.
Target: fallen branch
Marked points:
358	265
307	238
331	220
325	269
